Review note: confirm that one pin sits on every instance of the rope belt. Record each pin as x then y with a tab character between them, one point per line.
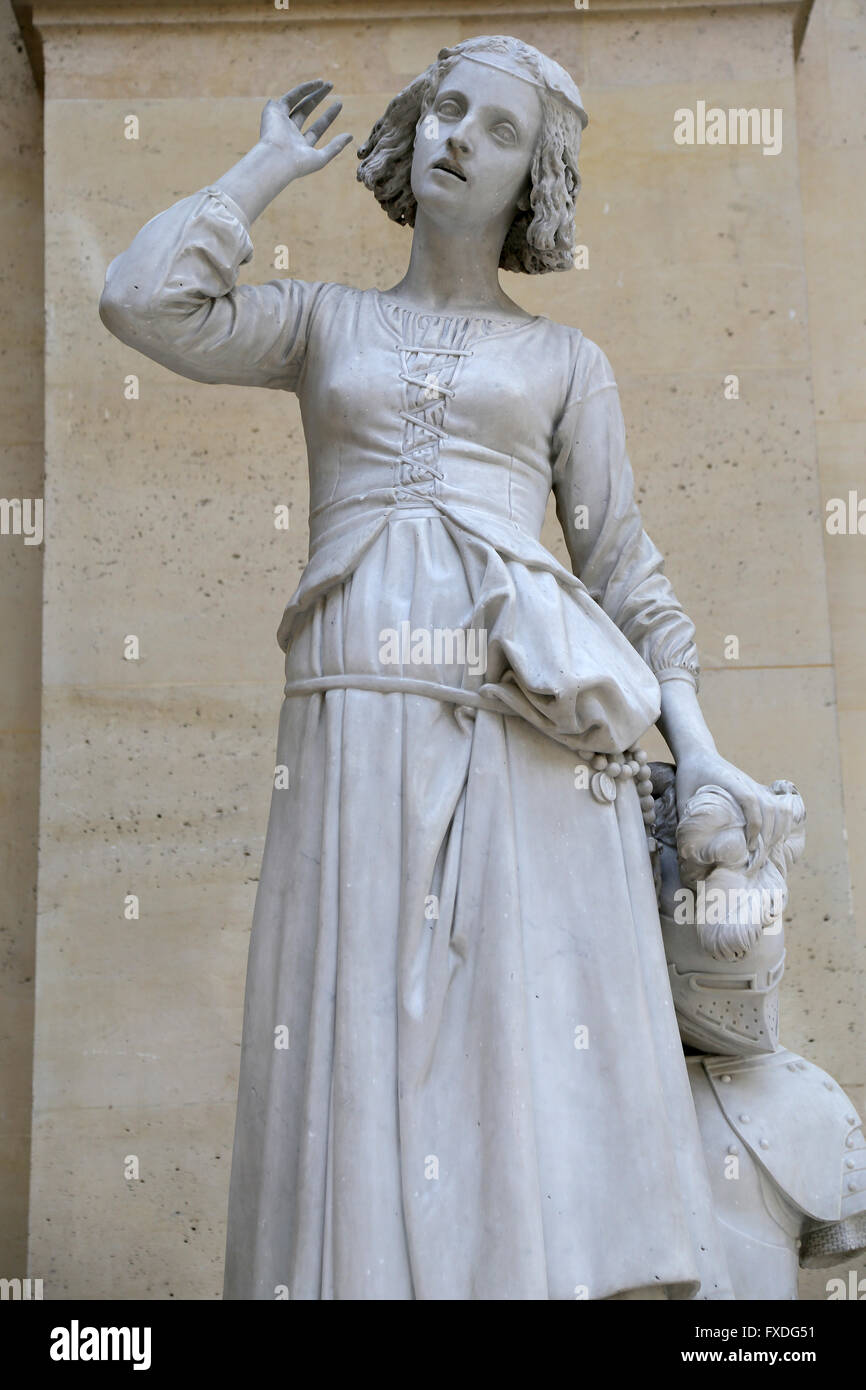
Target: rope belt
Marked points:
390	685
607	770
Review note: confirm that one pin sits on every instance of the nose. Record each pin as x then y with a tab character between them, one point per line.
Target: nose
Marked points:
458	141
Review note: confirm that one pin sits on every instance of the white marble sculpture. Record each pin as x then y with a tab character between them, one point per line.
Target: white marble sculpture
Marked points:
784	1145
461	1074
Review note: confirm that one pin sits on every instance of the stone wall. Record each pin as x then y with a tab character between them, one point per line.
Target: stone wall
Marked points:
831	104
21	452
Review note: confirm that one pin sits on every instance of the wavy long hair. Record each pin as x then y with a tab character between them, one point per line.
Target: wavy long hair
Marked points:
541	236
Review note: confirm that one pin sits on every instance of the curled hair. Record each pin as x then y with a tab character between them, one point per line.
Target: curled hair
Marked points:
541	236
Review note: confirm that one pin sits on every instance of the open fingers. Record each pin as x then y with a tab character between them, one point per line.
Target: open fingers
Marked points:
334	146
302	108
290	99
320	125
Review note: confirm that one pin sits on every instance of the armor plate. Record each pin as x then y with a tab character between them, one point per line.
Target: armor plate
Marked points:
799	1126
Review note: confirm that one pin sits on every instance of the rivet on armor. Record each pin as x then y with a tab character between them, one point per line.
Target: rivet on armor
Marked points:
744	1119
726	1076
732	1149
765	1143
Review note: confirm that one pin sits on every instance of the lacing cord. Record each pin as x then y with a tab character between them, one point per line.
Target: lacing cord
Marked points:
441	351
421	470
427	385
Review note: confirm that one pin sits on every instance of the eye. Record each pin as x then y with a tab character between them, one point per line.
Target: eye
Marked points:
448	107
505	132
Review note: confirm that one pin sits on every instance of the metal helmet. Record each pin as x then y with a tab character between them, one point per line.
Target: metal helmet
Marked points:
727	1007
722	1006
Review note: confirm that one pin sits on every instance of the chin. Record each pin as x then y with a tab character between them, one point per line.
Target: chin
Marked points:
435	199
439	188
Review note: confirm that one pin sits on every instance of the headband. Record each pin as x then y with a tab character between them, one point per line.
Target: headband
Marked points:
499	53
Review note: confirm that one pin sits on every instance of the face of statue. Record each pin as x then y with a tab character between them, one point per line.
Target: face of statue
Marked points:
474	147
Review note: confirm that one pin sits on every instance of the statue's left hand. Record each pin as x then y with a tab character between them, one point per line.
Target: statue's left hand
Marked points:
759	805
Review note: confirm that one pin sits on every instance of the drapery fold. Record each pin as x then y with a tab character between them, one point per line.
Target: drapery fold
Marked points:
484	1095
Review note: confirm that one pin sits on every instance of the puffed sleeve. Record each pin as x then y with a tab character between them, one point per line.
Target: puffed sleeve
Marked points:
610	551
172	296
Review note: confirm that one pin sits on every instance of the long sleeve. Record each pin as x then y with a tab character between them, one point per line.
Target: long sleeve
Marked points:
610	551
172	296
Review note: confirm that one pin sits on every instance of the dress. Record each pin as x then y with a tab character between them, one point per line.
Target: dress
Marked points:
461	1076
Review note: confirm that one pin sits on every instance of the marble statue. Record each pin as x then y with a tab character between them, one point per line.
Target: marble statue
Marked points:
784	1144
461	1074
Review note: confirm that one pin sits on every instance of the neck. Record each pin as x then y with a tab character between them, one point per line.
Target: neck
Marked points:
453	269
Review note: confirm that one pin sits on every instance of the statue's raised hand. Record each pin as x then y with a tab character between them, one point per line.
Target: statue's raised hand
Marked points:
283	122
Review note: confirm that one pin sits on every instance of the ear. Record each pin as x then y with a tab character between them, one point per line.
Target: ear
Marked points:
523	203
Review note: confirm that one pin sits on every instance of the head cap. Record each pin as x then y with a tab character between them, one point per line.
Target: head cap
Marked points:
522	60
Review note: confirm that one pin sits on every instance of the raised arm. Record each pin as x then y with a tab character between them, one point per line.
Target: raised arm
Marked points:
172	294
622	569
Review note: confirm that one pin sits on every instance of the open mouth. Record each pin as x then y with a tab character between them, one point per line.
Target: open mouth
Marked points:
449	166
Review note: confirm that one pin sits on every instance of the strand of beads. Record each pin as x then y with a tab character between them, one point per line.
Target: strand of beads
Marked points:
645	792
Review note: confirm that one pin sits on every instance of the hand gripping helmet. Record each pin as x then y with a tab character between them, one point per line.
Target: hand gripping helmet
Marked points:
727	998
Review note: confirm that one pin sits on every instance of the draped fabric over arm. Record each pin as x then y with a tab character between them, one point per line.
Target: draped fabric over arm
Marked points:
172	295
610	551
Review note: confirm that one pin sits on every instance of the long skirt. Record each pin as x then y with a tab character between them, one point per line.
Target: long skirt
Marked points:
461	1076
